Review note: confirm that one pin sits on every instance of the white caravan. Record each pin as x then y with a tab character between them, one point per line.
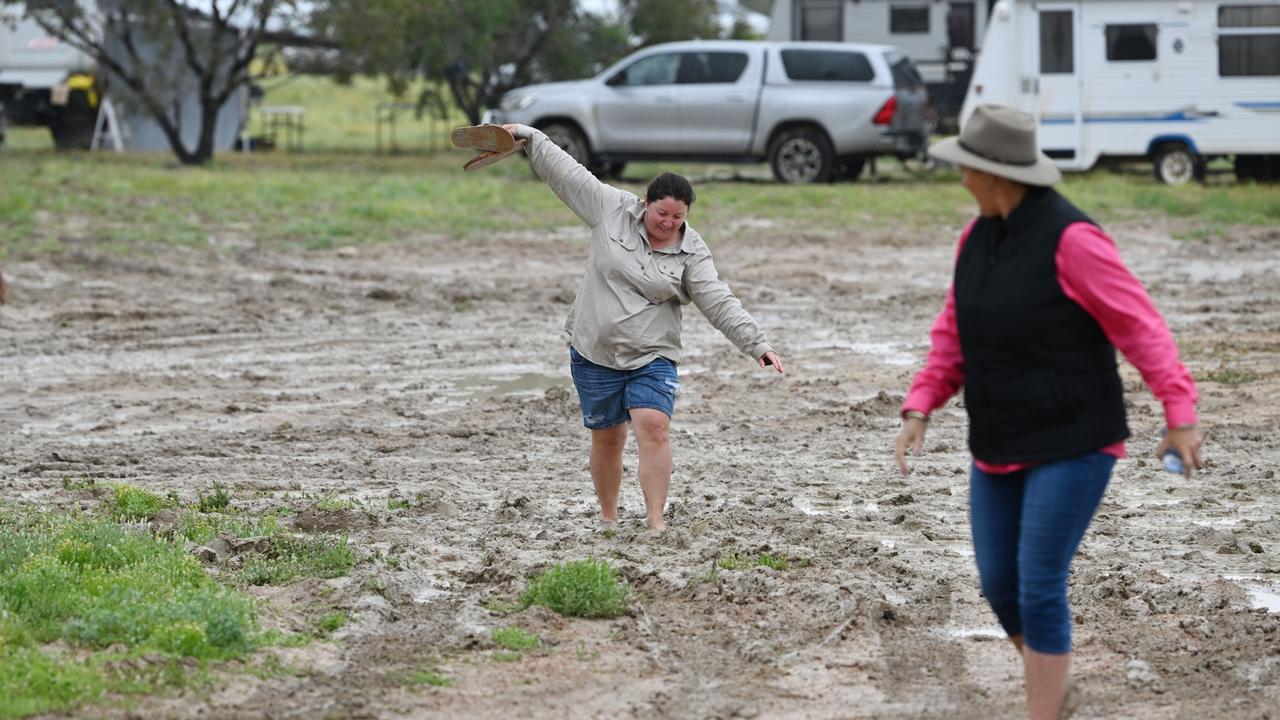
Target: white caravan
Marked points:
1177	82
941	37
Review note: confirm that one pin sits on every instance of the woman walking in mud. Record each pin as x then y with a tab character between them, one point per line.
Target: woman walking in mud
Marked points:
645	263
1039	302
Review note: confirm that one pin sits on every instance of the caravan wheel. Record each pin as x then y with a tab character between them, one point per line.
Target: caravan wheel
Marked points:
1175	164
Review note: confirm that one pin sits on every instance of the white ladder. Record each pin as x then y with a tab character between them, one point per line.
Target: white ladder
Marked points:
107	127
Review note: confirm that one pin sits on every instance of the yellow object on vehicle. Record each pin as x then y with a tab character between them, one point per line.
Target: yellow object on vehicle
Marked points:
87	83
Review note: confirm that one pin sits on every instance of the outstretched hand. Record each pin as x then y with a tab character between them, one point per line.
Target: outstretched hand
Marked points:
910	438
771	358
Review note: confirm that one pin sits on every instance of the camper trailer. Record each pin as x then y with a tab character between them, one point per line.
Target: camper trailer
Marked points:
942	38
1173	82
47	82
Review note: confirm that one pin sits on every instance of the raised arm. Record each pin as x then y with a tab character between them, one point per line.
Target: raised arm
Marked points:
576	187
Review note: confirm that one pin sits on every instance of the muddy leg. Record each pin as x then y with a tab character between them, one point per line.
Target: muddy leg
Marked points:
606	468
1046	683
651	428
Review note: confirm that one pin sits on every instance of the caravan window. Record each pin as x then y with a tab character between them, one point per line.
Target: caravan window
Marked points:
1131	42
820	20
905	19
1057	43
1248	40
828	65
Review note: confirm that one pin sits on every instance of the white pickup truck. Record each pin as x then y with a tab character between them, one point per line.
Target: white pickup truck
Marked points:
814	111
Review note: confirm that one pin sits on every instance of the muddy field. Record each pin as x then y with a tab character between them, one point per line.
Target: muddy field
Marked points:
434	373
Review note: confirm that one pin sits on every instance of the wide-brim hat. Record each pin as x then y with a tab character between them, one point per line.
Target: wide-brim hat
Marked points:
1002	141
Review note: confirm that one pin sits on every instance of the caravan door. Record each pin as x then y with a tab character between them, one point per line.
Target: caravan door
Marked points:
1051	94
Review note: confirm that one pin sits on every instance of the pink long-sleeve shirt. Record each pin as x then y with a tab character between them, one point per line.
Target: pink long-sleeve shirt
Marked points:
1093	276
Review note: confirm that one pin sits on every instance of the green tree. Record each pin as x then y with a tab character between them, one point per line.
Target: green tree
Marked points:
154	52
659	21
480	50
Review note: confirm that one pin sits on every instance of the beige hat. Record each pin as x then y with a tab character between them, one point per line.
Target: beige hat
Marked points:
1002	141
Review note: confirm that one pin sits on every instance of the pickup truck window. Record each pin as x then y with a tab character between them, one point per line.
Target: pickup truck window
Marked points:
827	65
711	67
651	70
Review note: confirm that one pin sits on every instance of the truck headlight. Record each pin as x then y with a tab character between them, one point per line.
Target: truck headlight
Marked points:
517	102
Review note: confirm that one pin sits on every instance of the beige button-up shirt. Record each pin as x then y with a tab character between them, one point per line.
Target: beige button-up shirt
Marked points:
628	311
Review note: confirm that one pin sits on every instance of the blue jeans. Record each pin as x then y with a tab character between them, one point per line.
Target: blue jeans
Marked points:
608	396
1026	528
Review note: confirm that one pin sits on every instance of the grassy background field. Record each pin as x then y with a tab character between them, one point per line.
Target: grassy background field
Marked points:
337	191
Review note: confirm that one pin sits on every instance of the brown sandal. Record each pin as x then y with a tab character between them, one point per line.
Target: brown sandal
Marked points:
489	138
489	158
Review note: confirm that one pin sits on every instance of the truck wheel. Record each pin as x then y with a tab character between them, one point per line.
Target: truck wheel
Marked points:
801	155
1175	164
72	131
570	139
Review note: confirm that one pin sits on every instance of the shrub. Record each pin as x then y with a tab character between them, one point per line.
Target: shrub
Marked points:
582	588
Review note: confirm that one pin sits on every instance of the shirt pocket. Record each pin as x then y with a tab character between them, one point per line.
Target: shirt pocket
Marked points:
622	236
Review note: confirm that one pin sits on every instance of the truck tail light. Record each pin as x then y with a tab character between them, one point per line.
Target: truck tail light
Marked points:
885	114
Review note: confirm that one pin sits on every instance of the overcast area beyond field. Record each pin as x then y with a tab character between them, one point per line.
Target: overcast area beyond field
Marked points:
414	397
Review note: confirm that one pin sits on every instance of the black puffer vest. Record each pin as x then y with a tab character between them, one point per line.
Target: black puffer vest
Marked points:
1040	378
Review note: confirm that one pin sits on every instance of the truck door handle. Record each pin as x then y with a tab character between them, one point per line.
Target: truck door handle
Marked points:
735	97
665	98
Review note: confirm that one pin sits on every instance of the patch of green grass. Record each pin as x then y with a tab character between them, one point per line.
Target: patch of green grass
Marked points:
1231	376
77	483
581	588
500	607
331	622
508	656
293	556
513	638
397	504
218	500
333	503
428	677
740	561
91	584
134	503
200	528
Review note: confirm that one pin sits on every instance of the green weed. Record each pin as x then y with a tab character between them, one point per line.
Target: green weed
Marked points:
77	483
219	500
513	638
334	503
331	622
581	588
737	561
428	677
130	503
298	556
200	528
93	584
1231	376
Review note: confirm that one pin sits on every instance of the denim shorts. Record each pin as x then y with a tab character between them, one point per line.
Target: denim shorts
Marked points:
607	396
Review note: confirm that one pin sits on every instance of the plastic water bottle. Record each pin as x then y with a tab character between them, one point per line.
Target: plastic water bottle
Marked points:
1171	460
